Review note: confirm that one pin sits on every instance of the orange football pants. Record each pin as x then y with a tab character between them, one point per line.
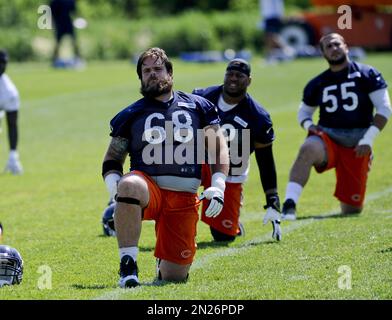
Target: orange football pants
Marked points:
351	171
227	221
176	215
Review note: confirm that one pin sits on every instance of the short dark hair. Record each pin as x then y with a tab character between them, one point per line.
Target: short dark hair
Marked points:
329	35
3	55
158	53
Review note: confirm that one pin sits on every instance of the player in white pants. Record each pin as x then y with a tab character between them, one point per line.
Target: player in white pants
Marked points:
9	104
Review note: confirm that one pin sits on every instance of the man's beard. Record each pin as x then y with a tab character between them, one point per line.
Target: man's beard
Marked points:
157	88
234	94
338	61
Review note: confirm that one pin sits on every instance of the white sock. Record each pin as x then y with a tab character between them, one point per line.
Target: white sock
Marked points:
14	155
293	191
129	251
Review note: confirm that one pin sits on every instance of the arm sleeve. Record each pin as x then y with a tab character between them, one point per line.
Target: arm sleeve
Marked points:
266	164
382	102
305	112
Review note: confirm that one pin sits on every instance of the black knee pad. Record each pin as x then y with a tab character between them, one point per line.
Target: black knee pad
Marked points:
220	236
127	200
159	275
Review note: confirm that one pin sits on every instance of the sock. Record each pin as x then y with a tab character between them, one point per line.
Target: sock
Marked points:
129	251
14	155
293	191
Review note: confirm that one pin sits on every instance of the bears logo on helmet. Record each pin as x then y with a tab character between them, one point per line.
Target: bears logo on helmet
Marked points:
108	221
11	266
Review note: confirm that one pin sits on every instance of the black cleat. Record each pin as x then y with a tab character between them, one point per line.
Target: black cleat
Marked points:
289	210
128	273
220	236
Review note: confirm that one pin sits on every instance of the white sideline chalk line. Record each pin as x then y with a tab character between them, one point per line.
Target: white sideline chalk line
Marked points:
202	261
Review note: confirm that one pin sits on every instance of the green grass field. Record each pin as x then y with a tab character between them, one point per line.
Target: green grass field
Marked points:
52	214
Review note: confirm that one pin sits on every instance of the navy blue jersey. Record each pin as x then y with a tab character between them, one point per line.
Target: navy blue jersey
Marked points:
161	133
343	97
248	114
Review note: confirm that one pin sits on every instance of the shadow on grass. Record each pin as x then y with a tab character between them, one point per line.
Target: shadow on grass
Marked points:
330	216
141	249
92	287
220	244
161	283
154	283
388	250
213	244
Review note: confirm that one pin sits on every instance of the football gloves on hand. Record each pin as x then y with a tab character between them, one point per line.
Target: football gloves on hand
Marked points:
216	197
215	194
272	214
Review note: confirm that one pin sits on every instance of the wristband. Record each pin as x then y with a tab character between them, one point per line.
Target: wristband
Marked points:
218	180
111	165
111	181
307	123
369	136
273	201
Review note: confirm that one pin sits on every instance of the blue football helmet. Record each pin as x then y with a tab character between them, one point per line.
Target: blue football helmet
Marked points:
108	221
11	266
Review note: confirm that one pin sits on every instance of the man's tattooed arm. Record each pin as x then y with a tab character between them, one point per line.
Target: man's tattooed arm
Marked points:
117	151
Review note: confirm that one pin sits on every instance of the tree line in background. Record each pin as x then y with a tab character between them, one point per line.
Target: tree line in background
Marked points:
119	29
17	12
